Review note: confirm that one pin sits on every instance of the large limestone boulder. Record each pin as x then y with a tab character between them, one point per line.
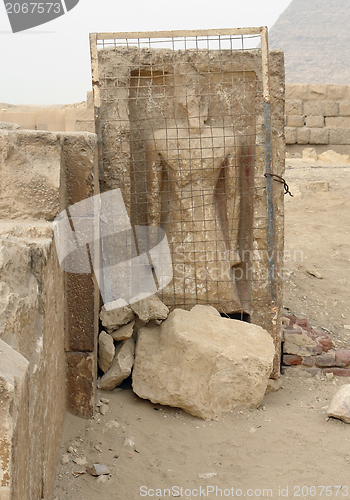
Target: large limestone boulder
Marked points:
203	363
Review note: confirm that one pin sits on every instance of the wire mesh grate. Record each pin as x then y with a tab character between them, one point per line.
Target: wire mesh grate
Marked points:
180	118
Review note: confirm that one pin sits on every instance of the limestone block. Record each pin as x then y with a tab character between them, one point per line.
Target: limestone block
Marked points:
338	122
317	91
150	308
202	363
331	108
14	477
297	91
80	387
121	366
303	135
294	107
30	166
340	404
314	121
298	338
9	125
344	108
313	108
337	92
291	135
319	136
339	136
113	318
295	121
124	332
106	351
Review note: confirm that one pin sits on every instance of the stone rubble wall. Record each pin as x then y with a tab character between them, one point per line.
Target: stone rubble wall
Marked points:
317	115
45	367
312	351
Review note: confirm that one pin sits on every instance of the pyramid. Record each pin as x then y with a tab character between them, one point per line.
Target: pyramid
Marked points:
315	37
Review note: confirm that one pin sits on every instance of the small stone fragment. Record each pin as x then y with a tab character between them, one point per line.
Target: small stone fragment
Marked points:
124	332
273	385
80	461
106	351
102	479
208	475
70	449
98	470
120	315
121	366
129	442
65	459
104	409
112	424
329	376
149	308
314	273
105	401
340	404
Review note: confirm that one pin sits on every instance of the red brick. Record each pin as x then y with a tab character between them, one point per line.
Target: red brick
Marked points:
342	358
301	322
326	344
338	372
291	359
308	360
324	360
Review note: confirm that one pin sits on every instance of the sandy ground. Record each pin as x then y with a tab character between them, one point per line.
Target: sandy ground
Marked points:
286	448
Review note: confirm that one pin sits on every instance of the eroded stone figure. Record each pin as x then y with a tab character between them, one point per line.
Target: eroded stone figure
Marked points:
194	195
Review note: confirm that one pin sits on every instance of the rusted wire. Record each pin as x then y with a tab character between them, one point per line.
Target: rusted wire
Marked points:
280	179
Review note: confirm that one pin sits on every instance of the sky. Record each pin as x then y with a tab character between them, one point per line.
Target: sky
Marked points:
50	64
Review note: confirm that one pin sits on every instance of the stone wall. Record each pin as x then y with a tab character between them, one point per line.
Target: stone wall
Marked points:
70	118
41	173
317	115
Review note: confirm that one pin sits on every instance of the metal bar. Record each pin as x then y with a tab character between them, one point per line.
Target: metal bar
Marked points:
275	330
178	33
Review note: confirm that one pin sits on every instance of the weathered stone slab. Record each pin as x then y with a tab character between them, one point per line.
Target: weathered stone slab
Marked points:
340	405
13	420
80	383
124	332
202	363
121	366
106	351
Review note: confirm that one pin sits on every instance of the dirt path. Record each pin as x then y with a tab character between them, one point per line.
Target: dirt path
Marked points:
287	442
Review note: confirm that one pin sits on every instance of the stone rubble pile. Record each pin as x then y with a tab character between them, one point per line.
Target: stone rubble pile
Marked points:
195	360
116	344
312	350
